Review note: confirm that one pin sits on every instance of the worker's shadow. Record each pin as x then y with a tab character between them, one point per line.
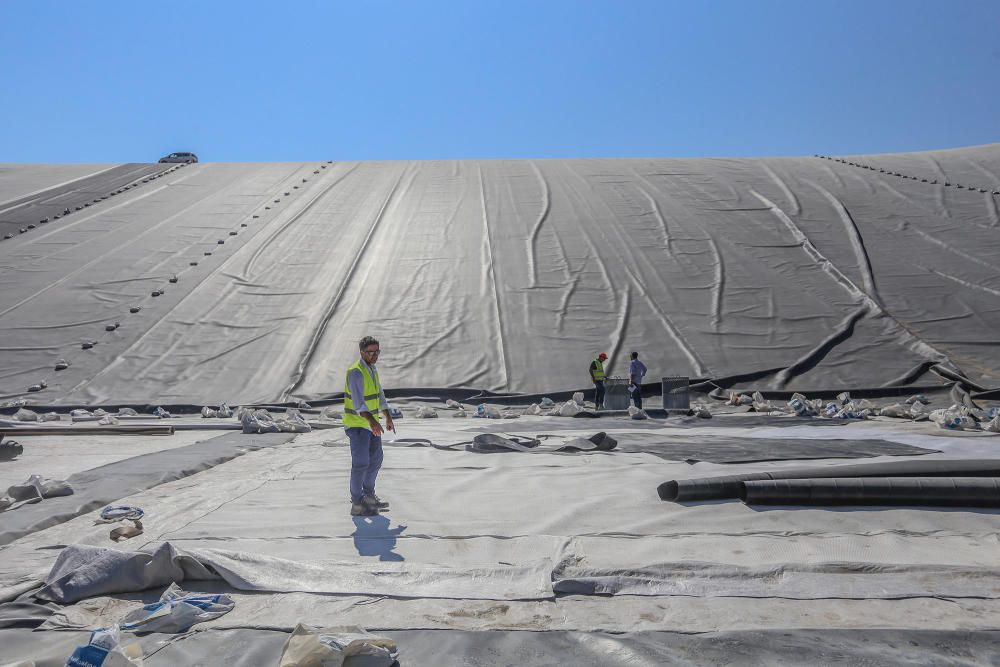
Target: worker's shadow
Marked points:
373	537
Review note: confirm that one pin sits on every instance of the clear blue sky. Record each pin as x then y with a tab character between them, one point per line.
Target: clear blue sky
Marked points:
105	81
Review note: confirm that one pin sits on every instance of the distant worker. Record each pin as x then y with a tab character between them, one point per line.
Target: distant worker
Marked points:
636	371
597	377
363	399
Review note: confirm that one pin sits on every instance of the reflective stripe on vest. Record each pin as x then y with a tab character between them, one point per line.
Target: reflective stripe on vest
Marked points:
599	370
352	418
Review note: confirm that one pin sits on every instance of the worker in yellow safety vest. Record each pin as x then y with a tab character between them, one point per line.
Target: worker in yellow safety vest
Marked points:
597	377
363	399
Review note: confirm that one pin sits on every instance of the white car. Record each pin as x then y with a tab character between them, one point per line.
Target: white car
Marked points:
186	158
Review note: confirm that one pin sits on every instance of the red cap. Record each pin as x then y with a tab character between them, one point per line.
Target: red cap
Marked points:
602	356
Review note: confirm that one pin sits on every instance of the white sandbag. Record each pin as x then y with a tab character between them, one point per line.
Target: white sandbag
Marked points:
310	646
992	425
225	411
49	417
896	410
106	650
25	415
533	409
802	406
952	419
257	423
79	412
127	412
208	413
293	422
760	404
426	412
547	402
100	412
578	398
177	611
330	413
568	409
736	398
453	404
459	413
107	420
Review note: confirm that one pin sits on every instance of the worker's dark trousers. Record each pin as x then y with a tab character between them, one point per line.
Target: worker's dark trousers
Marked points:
637	396
366	460
599	394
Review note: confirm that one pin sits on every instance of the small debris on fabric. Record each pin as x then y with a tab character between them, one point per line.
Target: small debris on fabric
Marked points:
426	412
62	365
38	387
302	405
49	417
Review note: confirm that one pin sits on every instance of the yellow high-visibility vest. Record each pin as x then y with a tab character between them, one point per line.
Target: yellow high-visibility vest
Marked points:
352	418
599	370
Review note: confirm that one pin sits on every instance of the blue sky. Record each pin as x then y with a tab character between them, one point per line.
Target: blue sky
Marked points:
364	79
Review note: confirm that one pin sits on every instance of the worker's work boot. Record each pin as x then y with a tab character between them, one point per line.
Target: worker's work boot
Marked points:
374	502
361	509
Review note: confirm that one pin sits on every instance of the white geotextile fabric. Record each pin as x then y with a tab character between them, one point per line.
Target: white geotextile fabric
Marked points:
21	180
461	511
866	277
626	613
84	571
59	456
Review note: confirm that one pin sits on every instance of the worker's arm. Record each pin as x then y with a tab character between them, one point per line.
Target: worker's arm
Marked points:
383	405
593	367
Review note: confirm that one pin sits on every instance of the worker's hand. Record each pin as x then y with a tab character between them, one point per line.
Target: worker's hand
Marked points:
388	423
376	427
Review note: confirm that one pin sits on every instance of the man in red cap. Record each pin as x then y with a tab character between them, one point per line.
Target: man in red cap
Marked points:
597	377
